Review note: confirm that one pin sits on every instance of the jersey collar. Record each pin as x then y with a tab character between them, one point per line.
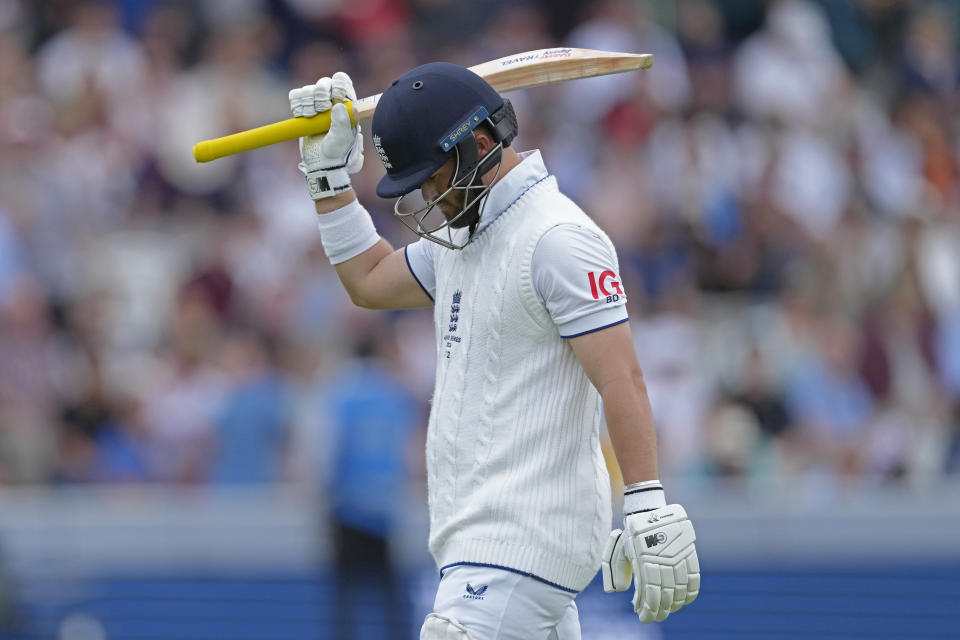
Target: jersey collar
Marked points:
523	176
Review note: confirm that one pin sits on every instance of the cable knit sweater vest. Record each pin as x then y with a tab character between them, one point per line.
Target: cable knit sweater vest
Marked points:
516	477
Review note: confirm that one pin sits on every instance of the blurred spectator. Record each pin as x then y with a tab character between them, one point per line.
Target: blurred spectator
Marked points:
680	393
371	422
446	22
829	401
29	384
11	257
184	395
948	352
123	453
252	423
516	27
930	60
732	443
231	88
810	182
702	151
789	70
93	52
953	441
623	25
760	395
703	37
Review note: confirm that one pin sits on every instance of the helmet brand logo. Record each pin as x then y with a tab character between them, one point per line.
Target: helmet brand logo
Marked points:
464	128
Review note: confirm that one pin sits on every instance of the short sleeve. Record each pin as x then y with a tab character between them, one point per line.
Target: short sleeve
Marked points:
576	276
420	261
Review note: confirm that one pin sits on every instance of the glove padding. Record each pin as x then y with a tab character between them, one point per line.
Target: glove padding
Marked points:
657	548
328	159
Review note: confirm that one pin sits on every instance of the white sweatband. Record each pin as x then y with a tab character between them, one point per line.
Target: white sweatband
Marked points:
643	496
347	232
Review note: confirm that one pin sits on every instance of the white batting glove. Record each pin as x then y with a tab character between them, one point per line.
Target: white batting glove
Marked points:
657	548
327	160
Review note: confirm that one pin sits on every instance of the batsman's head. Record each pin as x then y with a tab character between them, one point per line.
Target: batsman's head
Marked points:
423	129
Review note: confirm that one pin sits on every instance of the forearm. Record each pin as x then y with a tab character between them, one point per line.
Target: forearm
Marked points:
357	273
372	273
354	272
327	205
630	425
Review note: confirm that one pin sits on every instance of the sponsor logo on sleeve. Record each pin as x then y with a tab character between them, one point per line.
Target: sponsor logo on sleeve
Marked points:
605	286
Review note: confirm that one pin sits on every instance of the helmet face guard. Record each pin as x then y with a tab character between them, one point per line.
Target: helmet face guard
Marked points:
425	117
466	180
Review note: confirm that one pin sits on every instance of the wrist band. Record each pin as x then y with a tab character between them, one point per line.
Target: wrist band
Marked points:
347	232
643	496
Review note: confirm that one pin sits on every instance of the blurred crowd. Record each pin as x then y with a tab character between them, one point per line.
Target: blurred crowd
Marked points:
783	187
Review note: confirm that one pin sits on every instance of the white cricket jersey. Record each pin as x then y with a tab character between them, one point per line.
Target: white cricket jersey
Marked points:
516	477
561	271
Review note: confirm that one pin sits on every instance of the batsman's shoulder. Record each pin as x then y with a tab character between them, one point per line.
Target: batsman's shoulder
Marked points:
576	240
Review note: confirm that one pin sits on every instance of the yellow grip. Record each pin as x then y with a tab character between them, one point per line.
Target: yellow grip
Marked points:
291	129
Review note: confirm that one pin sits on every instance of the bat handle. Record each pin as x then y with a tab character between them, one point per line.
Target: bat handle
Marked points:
290	129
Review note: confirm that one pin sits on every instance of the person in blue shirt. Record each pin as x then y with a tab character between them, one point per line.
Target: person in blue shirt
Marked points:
372	420
253	422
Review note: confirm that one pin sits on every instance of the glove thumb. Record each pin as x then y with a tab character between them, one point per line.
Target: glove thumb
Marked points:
340	118
615	566
340	138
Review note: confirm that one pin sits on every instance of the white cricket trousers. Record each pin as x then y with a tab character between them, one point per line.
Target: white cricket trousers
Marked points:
495	604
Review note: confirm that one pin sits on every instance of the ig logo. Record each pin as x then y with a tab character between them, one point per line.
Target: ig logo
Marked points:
598	285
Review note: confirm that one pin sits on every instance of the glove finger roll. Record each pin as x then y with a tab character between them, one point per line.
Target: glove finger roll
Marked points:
693	587
321	95
301	102
651	597
645	614
679	599
342	88
680	577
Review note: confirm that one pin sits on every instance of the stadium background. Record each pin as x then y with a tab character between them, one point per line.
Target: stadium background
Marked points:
191	409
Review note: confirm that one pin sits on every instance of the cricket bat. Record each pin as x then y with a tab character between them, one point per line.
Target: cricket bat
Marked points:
520	71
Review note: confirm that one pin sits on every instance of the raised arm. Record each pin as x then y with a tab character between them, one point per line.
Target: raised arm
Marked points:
373	273
380	277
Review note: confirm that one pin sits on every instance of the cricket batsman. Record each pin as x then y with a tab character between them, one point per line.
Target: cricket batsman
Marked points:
533	342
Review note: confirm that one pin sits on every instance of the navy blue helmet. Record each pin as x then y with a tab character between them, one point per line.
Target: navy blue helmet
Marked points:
426	117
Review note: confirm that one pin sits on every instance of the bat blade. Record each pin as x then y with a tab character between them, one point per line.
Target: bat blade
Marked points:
548	66
510	73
